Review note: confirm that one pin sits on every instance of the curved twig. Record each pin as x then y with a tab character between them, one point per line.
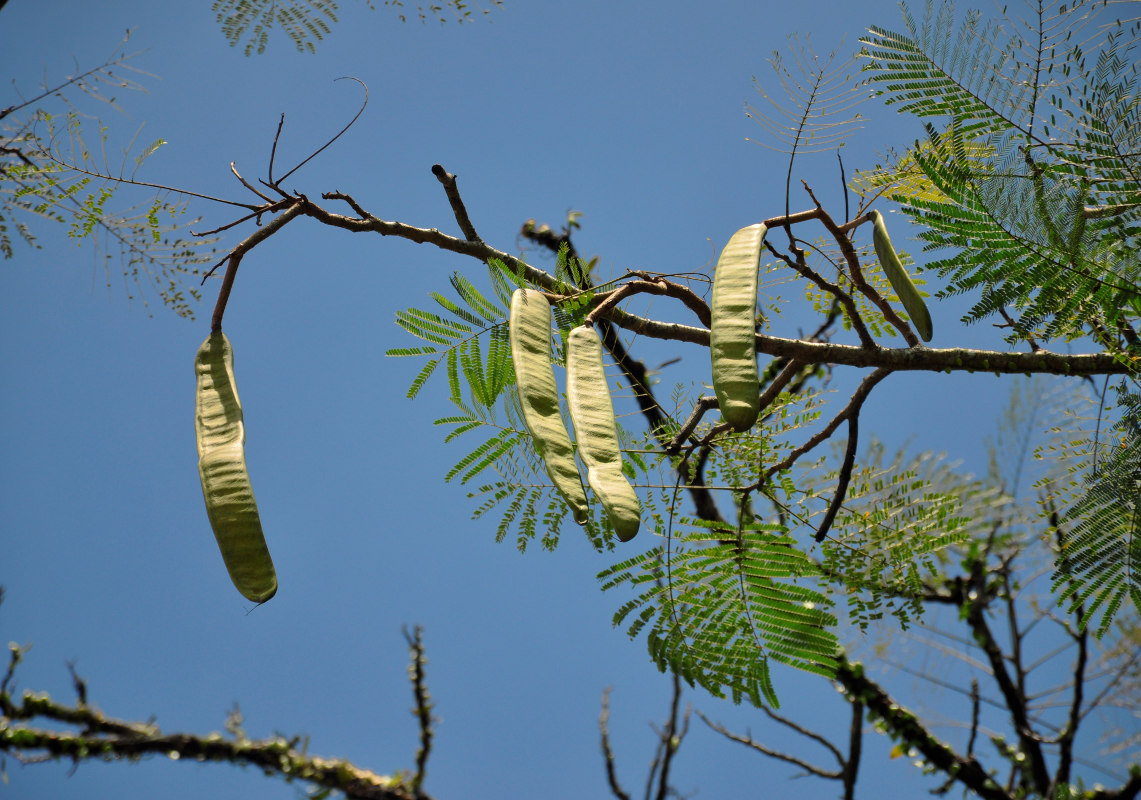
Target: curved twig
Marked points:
317	152
844	478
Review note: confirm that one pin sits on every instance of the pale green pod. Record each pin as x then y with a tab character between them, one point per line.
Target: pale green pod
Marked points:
530	335
900	280
732	335
596	431
225	480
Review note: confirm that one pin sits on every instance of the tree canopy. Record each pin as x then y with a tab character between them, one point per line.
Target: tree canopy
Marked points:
766	533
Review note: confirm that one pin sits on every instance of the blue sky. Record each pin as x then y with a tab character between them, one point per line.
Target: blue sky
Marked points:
633	114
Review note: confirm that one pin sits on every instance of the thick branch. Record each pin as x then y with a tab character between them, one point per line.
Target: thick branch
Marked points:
904	359
115	739
1015	699
855	749
907	727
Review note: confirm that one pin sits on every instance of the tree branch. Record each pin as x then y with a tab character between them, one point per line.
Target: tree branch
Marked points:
671	739
907	727
908	359
749	742
423	710
109	739
459	210
607	752
1015	700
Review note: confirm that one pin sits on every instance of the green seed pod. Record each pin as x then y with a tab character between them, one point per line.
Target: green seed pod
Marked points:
900	280
530	334
596	431
222	466
732	331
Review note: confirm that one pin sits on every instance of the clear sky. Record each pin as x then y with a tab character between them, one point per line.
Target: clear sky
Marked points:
633	114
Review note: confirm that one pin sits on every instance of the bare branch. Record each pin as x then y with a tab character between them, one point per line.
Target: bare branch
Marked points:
99	737
910	730
855	744
1013	697
748	741
423	710
318	151
458	208
809	352
671	739
234	169
702	405
607	752
845	476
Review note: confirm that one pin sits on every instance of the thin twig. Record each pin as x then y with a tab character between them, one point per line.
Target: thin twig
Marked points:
234	169
748	741
607	752
273	207
852	408
318	151
845	475
273	149
671	739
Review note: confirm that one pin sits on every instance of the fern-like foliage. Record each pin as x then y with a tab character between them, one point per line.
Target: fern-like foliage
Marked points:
142	246
1031	174
1099	567
307	22
897	523
819	113
304	21
1035	175
720	603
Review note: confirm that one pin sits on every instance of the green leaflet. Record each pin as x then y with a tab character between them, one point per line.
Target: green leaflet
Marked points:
530	334
222	467
595	430
900	281
732	331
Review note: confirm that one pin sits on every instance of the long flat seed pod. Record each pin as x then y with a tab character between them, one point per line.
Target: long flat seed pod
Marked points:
222	467
900	280
595	430
732	330
530	335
